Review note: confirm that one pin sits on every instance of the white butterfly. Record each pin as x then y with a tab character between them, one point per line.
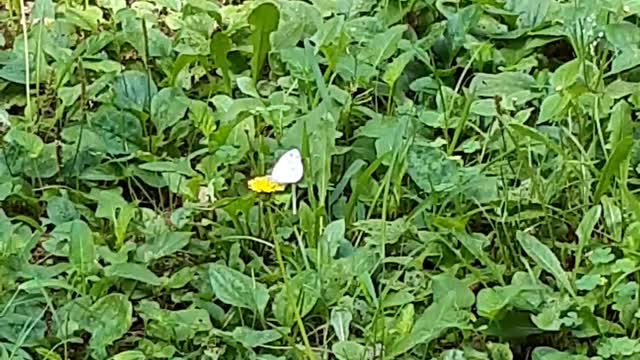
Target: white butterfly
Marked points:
288	169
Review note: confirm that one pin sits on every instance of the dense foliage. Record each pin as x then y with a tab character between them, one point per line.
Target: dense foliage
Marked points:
469	188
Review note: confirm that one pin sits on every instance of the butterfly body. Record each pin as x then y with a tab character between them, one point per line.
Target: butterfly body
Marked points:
288	169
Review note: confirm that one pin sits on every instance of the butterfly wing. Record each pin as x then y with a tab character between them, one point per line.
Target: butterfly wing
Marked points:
288	169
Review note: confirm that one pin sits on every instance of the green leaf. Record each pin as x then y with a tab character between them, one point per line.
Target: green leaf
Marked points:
629	58
133	271
404	321
43	9
179	166
111	319
601	256
531	14
491	301
103	66
4	118
302	288
348	350
353	169
220	47
134	90
536	135
503	84
30	142
251	338
500	351
566	75
15	71
61	210
181	278
622	35
588	282
121	223
82	252
168	107
179	325
7	189
109	202
340	321
484	107
39	284
458	25
547	353
616	348
113	132
452	354
475	244
443	284
545	258
328	32
129	355
45	165
269	357
513	325
113	5
383	46
427	85
552	106
165	244
264	19
298	20
86	18
620	88
332	235
613	166
247	87
431	170
353	8
395	69
619	123
237	289
613	218
437	318
191	42
585	228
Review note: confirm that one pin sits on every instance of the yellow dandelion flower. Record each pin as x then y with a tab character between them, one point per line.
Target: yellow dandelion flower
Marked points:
264	184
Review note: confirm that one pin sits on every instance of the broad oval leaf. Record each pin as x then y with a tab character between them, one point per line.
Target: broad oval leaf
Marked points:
395	69
251	338
349	350
168	107
61	210
162	245
552	106
112	317
134	90
235	288
134	272
566	75
302	288
30	142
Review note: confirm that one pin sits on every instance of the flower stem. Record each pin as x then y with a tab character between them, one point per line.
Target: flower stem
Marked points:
290	300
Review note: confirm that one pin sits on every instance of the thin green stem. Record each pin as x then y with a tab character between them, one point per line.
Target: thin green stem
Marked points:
27	72
291	302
